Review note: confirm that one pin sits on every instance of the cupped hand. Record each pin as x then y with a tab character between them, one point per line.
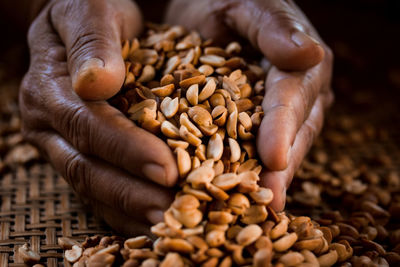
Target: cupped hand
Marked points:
297	86
110	162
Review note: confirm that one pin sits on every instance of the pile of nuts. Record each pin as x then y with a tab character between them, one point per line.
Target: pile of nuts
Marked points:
205	102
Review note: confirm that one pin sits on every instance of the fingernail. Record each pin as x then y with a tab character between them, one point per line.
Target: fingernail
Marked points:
301	39
155	216
154	172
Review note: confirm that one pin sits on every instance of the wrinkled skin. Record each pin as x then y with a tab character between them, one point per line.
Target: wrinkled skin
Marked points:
123	171
107	160
297	86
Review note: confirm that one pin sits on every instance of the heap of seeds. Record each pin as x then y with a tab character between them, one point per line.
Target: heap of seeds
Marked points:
205	102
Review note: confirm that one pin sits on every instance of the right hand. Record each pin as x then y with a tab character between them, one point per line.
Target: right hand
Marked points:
109	161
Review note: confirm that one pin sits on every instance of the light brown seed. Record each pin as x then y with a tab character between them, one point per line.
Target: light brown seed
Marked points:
218	167
208	90
226	181
245	120
217	99
167	79
219	114
262	196
215	238
281	228
177	143
207	70
102	259
231	125
169	107
136	110
245	91
185	121
243	134
200	177
285	242
172	259
231	87
220	217
244	105
209	130
248	165
216	192
189	218
66	242
137	242
328	259
149	263
199	194
249	235
262	258
188	136
165	90
144	56
291	258
178	245
148	74
215	147
172	64
186	83
200	116
170	220
254	214
170	130
212	60
239	203
195	162
183	161
192	94
248	182
233	48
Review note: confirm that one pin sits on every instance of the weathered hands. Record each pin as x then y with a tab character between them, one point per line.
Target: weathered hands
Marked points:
297	86
102	154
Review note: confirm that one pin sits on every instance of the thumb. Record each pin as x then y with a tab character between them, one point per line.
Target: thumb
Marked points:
279	29
91	32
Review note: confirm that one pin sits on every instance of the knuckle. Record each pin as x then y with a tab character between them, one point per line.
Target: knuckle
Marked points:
75	124
76	173
287	19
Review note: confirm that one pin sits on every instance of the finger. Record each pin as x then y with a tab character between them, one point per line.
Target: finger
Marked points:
287	103
97	180
98	129
92	33
279	181
93	128
118	221
276	28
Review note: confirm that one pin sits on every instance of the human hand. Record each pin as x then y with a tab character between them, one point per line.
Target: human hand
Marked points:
107	159
297	86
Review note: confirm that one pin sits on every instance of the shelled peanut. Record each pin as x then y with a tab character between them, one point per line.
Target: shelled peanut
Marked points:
205	102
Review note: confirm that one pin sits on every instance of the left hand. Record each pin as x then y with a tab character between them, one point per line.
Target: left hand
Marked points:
297	86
